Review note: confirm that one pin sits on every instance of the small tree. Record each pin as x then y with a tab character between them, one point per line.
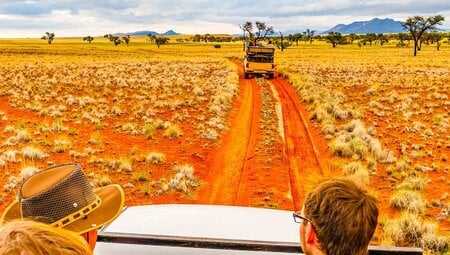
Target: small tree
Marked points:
114	39
418	25
309	35
369	37
49	37
281	46
161	40
402	37
206	37
263	30
435	37
335	38
126	39
117	41
151	37
246	27
382	39
297	37
88	39
197	38
352	37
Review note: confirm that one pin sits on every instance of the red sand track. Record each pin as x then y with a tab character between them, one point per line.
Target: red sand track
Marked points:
230	160
236	167
299	145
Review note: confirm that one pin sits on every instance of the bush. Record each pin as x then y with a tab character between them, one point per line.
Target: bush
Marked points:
155	157
417	183
403	231
410	230
217	46
140	176
173	131
149	129
407	200
357	172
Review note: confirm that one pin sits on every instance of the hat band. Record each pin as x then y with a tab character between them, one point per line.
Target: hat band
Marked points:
83	212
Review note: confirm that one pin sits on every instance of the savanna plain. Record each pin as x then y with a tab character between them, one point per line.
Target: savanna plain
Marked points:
180	124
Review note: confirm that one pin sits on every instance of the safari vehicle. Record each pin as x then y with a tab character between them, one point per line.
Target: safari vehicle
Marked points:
259	60
208	229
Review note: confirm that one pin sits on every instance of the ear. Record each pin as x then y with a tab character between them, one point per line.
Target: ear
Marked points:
310	234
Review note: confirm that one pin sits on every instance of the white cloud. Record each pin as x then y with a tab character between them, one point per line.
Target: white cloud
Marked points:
25	18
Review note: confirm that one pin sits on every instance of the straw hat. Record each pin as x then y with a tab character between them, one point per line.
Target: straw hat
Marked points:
61	196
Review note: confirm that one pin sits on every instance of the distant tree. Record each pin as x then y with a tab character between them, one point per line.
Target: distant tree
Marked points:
206	37
161	40
151	37
126	39
281	45
197	38
114	39
297	37
262	32
335	38
309	35
418	25
117	41
246	27
352	37
88	39
369	38
434	37
402	37
382	39
49	37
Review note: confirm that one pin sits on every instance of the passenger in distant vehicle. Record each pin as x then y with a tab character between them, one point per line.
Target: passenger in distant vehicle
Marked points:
62	197
270	44
250	44
25	237
338	217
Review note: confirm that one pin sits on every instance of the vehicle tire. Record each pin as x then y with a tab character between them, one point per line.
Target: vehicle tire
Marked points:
246	75
271	76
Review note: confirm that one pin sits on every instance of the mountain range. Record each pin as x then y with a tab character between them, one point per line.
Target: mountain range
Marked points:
375	25
146	32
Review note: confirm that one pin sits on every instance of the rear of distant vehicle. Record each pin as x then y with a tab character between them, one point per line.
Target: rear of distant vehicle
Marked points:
259	60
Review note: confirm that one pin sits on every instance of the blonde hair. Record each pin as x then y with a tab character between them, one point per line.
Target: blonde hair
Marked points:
25	237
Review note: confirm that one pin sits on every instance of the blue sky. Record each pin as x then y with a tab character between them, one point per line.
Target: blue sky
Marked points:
32	18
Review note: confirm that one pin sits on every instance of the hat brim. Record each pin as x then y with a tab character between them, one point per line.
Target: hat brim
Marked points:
112	197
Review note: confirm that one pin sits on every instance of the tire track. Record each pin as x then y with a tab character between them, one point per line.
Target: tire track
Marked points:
238	146
299	147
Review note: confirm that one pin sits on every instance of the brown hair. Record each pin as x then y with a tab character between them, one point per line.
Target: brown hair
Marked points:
344	216
35	238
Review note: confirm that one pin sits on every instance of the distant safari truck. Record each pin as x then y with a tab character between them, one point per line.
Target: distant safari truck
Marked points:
259	60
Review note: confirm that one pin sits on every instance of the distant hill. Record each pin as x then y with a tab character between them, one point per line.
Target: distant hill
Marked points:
372	26
171	32
146	32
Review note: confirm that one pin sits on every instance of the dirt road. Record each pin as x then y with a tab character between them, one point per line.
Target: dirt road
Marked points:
240	172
